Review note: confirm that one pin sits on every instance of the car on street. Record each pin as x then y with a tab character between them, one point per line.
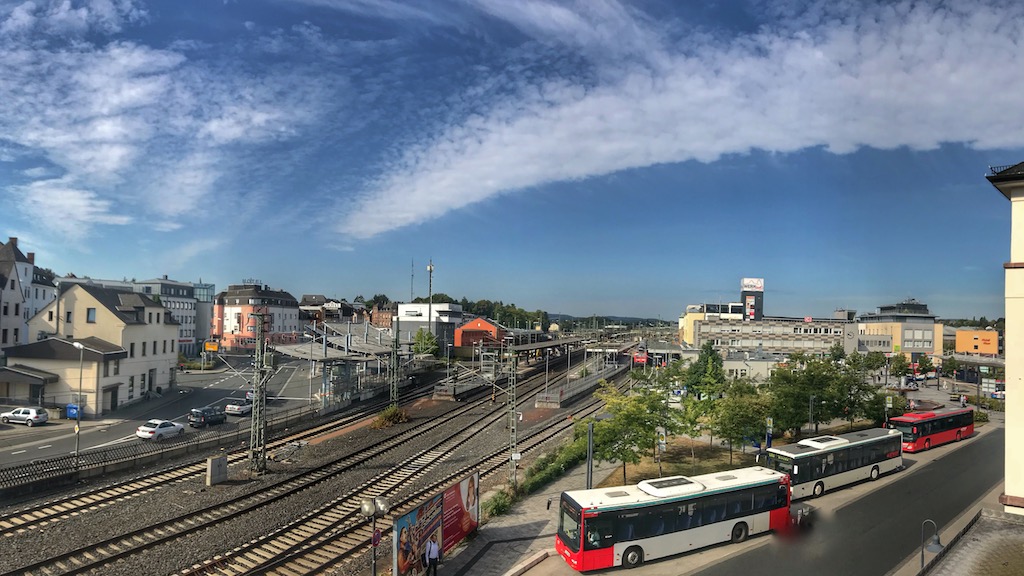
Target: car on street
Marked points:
29	416
206	416
239	407
159	429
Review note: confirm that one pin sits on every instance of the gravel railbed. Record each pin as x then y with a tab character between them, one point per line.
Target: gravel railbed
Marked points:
193	494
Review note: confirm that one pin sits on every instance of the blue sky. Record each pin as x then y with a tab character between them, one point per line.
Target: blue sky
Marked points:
591	157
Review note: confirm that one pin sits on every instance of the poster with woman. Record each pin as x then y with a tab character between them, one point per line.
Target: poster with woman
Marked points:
461	511
411	534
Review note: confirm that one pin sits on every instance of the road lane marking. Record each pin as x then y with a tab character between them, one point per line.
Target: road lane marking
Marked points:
18	452
45	447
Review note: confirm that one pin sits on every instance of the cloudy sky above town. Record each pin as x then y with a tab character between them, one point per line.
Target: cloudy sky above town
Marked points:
590	157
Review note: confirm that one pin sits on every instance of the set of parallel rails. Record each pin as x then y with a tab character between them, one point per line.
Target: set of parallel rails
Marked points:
44	514
337	533
102	553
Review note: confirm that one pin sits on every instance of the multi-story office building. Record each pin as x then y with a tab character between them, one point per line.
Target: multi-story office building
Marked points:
238	310
910	327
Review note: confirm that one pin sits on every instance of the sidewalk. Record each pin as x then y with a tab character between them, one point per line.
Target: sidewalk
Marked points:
513	543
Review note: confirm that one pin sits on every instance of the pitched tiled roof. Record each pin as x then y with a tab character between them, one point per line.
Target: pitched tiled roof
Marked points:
54	348
123	303
9	253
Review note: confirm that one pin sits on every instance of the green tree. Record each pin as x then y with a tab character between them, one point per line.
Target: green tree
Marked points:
740	415
924	364
898	365
632	428
849	396
836	353
424	343
874	361
950	366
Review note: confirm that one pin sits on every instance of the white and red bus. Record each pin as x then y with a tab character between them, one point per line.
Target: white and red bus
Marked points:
816	465
626	525
922	430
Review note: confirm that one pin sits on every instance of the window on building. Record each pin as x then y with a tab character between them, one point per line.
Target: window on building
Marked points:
144	348
3	336
15	335
165	346
90	315
150	321
67	317
5	308
17	309
117	367
154	347
131	350
106	368
50	316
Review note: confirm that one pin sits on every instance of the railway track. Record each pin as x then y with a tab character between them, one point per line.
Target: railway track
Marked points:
44	514
94	556
336	532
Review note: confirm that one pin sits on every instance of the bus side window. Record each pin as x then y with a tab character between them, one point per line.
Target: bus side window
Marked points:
599	534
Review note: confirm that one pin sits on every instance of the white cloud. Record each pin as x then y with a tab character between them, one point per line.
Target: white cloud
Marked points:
906	74
64	210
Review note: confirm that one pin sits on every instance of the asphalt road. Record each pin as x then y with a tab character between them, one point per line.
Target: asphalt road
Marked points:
874	534
19	444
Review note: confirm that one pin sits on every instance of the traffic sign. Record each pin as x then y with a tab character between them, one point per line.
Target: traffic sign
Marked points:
376	537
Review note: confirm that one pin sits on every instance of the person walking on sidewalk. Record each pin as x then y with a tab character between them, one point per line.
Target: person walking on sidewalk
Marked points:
433	555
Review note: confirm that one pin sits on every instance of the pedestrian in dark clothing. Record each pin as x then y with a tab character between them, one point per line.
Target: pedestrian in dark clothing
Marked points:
433	555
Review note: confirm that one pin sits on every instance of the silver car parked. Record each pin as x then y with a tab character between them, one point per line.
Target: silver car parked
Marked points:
28	416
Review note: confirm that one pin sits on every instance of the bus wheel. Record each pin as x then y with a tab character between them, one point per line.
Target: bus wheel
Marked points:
819	489
633	557
927	444
739	533
874	472
959	436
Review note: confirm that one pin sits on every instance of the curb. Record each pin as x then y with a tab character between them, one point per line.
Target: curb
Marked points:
525	566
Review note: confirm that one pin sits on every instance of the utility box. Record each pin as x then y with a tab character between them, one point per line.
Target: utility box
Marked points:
216	470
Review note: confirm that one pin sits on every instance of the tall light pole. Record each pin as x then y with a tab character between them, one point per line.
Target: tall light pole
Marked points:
547	360
448	361
78	412
430	296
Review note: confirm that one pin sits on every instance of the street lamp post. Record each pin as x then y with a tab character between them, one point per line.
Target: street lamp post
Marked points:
547	360
374	508
934	543
78	412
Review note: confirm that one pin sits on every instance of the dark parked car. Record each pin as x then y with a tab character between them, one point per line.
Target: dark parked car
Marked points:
199	417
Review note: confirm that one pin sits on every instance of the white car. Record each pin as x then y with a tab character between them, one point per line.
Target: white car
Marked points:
239	407
159	429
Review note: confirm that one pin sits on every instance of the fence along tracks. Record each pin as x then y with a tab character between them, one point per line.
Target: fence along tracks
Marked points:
107	551
337	532
44	514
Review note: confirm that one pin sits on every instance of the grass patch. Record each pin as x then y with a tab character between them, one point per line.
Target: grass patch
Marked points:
389	417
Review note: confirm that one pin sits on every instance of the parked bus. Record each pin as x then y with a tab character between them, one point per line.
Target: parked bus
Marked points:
627	525
922	430
816	465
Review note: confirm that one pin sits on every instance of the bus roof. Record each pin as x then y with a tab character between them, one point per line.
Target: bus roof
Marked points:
914	417
828	443
673	487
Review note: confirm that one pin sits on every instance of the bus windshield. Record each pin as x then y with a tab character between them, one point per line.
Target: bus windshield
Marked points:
569	524
780	463
906	429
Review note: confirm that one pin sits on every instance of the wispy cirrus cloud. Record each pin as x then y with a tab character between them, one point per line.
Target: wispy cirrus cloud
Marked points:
58	205
847	76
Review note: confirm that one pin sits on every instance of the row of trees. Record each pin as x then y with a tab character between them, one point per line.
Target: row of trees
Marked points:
806	389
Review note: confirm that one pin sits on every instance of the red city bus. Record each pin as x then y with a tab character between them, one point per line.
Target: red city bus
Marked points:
626	525
922	430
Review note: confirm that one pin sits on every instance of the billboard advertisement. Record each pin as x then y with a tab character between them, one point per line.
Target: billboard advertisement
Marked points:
750	307
411	534
752	285
461	514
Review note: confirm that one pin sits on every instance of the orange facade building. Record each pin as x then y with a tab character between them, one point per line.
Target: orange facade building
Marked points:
985	342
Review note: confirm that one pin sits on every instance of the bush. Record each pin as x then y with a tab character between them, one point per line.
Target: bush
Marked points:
389	417
980	416
499	504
